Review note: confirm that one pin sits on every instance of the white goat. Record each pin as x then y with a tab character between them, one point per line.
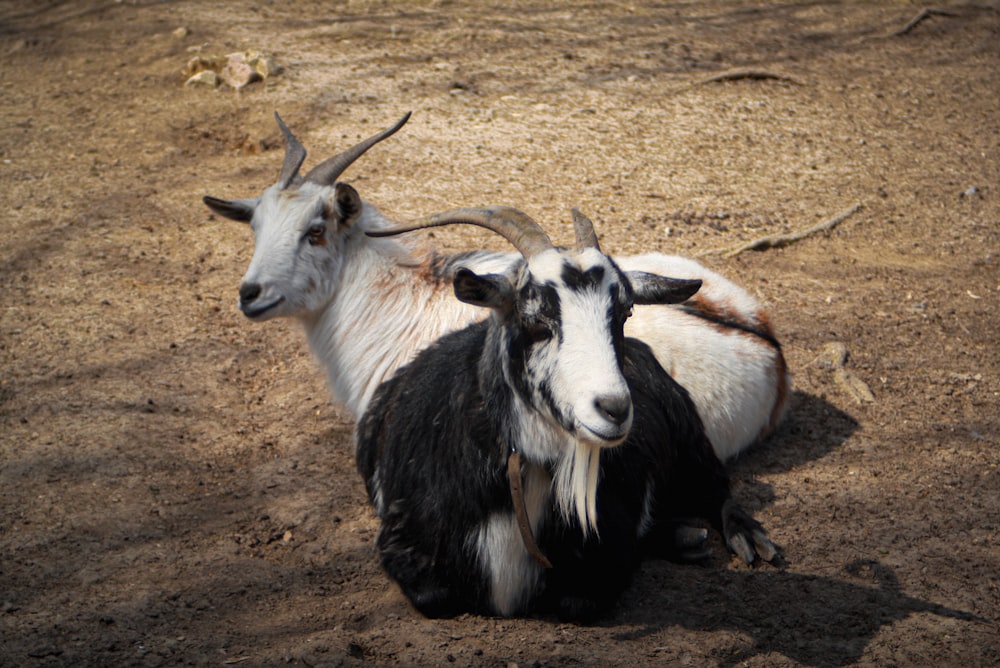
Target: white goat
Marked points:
369	305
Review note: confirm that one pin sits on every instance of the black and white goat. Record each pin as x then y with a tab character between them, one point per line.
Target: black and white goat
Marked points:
612	447
368	305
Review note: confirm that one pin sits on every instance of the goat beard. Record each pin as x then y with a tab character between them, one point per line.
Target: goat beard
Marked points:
576	478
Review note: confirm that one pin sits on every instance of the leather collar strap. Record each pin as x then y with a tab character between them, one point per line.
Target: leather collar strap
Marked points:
517	495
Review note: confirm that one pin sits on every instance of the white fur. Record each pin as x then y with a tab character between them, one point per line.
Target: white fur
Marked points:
513	574
735	379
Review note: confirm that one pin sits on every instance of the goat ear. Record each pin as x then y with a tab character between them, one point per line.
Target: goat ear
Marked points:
347	202
234	209
653	289
487	290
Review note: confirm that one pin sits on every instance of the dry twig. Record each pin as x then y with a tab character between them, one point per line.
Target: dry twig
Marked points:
779	240
739	75
754	75
924	13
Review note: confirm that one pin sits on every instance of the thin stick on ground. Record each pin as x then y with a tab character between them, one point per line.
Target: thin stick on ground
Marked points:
740	75
754	75
923	14
780	240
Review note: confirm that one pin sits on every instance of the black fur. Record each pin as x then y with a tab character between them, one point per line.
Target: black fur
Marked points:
438	432
578	280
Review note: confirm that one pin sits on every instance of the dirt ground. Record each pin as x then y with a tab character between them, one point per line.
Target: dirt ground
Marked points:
176	485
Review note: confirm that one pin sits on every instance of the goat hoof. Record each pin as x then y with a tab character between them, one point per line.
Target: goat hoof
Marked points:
435	603
745	536
767	550
688	537
739	544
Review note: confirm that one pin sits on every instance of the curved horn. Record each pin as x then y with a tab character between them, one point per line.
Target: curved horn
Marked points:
326	172
295	154
586	237
515	226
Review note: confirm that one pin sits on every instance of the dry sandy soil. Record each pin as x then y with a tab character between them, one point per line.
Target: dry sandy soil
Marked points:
176	485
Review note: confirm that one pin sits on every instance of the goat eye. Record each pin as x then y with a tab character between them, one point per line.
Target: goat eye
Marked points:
538	332
316	235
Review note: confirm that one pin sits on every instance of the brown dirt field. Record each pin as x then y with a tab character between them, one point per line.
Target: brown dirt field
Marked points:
175	483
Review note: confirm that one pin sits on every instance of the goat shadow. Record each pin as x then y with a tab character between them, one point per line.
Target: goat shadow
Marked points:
811	430
813	620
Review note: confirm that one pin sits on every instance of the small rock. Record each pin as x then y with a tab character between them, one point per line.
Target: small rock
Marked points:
202	63
237	72
834	358
856	388
181	33
972	191
236	69
834	355
203	78
263	64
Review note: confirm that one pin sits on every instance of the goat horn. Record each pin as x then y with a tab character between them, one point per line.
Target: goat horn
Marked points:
586	237
295	154
326	172
517	227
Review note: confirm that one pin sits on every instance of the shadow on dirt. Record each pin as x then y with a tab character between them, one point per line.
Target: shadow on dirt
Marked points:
833	619
831	623
813	428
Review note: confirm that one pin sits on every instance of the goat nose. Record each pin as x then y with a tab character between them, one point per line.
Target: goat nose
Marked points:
615	408
249	292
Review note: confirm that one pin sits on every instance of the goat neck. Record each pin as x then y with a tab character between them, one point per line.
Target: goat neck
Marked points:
393	297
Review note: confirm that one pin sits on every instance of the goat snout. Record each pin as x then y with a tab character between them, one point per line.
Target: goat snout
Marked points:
248	293
254	304
614	408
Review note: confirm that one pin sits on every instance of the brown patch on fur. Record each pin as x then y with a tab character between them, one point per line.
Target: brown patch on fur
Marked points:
783	381
720	314
780	407
329	211
724	318
433	269
764	323
389	287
